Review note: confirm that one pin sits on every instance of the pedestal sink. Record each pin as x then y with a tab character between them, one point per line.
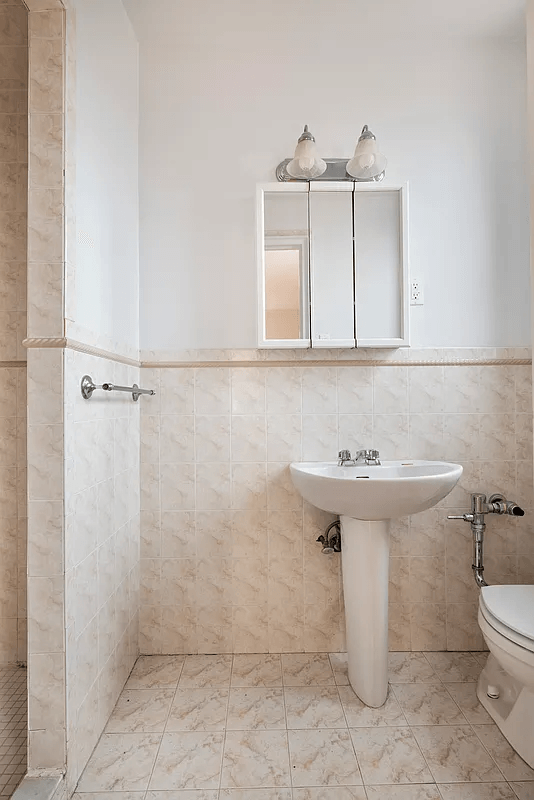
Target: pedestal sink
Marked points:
366	498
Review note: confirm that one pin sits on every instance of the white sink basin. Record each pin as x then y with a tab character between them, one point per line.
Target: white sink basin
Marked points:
366	499
392	489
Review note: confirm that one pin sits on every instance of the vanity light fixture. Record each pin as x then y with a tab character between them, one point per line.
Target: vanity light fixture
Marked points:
306	163
367	164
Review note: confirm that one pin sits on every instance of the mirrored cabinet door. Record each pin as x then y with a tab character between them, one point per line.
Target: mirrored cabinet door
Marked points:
331	265
284	310
380	258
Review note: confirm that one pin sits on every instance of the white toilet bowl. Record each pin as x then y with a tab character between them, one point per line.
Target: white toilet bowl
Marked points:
506	685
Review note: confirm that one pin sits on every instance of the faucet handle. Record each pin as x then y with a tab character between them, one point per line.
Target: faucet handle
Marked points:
344	455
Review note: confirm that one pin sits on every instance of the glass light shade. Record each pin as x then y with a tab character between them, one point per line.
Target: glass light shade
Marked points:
368	163
306	162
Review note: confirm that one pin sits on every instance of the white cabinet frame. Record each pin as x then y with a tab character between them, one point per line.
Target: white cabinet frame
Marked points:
404	280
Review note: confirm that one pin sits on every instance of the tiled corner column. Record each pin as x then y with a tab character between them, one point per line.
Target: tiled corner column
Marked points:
13	256
46	245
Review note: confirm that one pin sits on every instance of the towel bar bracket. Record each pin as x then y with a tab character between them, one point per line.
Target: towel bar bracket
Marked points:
88	386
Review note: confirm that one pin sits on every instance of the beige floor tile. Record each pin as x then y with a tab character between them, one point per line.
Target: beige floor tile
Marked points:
511	765
323	758
339	664
455	667
156	672
428	704
257	670
389	755
410	668
523	789
255	759
413	791
255	708
303	669
476	791
361	716
109	796
465	695
120	762
198	710
330	793
454	753
255	794
192	794
313	707
188	761
206	672
141	711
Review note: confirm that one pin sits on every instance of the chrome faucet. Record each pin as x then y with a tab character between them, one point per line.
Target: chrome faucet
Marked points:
369	457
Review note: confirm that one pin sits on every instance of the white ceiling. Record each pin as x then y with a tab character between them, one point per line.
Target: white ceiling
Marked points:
353	18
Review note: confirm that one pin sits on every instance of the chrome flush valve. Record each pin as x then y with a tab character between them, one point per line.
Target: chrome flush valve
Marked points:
497	504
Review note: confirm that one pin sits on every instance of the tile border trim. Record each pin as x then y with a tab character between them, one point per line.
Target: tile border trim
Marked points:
457	362
63	343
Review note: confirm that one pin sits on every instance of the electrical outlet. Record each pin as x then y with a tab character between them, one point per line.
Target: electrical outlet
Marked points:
416	293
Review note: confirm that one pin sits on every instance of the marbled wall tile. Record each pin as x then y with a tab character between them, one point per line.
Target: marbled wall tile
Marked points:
319	437
319	390
177	387
177	487
177	439
284	437
248	439
250	629
355	390
212	391
212	438
249	486
390	390
428	630
355	432
213	487
248	390
284	390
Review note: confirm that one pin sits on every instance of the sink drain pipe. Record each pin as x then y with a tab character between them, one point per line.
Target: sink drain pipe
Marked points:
479	508
331	541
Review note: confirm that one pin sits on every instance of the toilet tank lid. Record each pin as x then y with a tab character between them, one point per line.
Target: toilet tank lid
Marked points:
513	606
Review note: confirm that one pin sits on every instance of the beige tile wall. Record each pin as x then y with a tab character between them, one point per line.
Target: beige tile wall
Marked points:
229	557
13	258
101	548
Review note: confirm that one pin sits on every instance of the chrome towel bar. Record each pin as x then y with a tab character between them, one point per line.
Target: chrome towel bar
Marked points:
88	386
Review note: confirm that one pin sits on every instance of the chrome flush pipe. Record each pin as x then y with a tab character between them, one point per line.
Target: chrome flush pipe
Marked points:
479	507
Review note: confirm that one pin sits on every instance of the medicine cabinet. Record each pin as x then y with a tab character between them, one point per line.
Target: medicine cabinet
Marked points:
332	265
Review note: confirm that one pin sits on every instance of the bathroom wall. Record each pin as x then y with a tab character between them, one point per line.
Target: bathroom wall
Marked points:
101	548
13	267
102	437
83	455
103	294
229	554
225	92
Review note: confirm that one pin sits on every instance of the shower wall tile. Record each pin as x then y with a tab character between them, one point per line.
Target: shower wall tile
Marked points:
102	547
228	546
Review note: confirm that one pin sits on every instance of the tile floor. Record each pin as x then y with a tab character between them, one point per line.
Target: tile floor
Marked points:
269	727
13	728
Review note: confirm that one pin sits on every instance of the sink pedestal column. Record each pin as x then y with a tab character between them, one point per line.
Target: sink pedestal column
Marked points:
365	565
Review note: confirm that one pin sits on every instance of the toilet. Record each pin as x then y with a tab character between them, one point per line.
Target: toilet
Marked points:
506	684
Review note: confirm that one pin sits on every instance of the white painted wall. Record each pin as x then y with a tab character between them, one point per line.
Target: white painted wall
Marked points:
225	89
107	204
